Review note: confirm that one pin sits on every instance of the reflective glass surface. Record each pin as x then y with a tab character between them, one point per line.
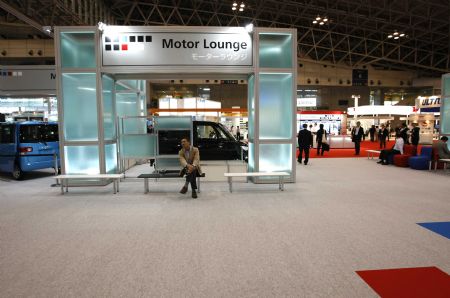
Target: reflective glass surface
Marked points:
275	50
138	146
78	49
111	158
80	107
81	159
445	115
251	108
275	157
175	122
108	111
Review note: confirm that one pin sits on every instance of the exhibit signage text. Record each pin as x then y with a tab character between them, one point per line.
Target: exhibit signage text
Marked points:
176	49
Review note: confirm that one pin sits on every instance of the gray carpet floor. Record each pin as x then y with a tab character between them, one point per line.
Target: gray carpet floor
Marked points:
342	215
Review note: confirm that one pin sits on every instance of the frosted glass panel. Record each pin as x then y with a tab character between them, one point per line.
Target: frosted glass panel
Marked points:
445	115
138	146
275	158
81	159
80	107
108	111
251	157
128	104
446	86
162	123
275	50
78	49
275	106
167	163
111	158
251	108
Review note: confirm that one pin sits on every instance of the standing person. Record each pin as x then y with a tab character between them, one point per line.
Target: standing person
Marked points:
415	134
319	138
305	141
383	134
441	148
372	133
404	132
397	149
310	127
238	133
189	157
314	129
233	131
357	136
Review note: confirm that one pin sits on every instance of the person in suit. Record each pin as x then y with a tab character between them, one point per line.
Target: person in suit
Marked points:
372	131
357	136
441	148
383	134
404	132
190	162
415	134
319	138
305	141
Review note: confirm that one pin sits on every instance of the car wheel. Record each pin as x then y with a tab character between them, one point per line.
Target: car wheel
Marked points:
17	172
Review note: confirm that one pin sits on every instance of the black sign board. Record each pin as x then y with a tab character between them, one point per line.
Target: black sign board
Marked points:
229	81
360	77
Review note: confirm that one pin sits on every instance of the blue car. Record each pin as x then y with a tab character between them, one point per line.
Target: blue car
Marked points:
28	146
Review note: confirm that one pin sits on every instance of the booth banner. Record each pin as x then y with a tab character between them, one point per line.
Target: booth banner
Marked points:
16	80
177	49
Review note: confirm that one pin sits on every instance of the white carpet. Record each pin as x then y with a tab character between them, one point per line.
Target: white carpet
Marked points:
341	216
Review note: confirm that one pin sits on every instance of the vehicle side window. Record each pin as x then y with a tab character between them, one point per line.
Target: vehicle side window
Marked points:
206	132
220	134
6	134
31	133
51	133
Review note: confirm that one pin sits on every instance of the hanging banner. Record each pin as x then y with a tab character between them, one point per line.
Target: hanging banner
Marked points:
177	49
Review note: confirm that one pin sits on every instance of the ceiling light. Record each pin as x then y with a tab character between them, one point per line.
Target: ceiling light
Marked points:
321	23
396	37
390	36
249	28
233	8
234	4
395	33
402	34
241	9
101	26
318	18
325	20
314	22
242	5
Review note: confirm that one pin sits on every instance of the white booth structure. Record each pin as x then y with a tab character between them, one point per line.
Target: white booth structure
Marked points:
444	128
101	89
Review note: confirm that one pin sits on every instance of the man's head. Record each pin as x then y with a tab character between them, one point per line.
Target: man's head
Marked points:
358	123
305	126
403	124
382	126
444	139
186	143
321	126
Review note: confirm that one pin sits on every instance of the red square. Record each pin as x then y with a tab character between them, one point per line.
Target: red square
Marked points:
427	282
124	47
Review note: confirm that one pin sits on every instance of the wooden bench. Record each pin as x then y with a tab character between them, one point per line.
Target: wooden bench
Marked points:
370	153
280	176
168	174
63	180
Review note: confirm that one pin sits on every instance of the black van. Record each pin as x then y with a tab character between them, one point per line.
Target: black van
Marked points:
212	139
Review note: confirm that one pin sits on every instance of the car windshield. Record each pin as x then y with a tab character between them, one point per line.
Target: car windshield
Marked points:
38	133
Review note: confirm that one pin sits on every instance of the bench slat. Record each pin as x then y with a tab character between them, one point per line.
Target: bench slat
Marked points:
257	174
96	176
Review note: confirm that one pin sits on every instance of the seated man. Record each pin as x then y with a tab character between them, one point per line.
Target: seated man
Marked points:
397	149
441	148
190	162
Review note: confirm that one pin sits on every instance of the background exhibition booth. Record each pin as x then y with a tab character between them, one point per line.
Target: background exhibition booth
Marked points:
101	77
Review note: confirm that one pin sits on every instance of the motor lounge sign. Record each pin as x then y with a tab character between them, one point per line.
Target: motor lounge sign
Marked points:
232	48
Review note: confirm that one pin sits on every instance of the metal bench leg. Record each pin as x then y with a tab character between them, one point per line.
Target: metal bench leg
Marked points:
198	184
230	182
114	187
279	183
282	183
67	185
117	181
145	185
62	185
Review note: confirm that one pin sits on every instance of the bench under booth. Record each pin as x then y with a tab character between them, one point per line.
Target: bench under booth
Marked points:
171	174
64	180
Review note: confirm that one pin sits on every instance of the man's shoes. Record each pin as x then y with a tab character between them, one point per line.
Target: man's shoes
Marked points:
299	161
305	163
385	163
184	190
380	161
194	194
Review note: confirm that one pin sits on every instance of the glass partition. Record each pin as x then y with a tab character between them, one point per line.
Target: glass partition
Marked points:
80	107
81	159
78	50
138	146
275	106
162	123
111	158
108	109
275	157
275	50
128	105
251	108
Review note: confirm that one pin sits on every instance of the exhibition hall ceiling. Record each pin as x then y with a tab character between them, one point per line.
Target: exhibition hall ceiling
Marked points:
401	34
